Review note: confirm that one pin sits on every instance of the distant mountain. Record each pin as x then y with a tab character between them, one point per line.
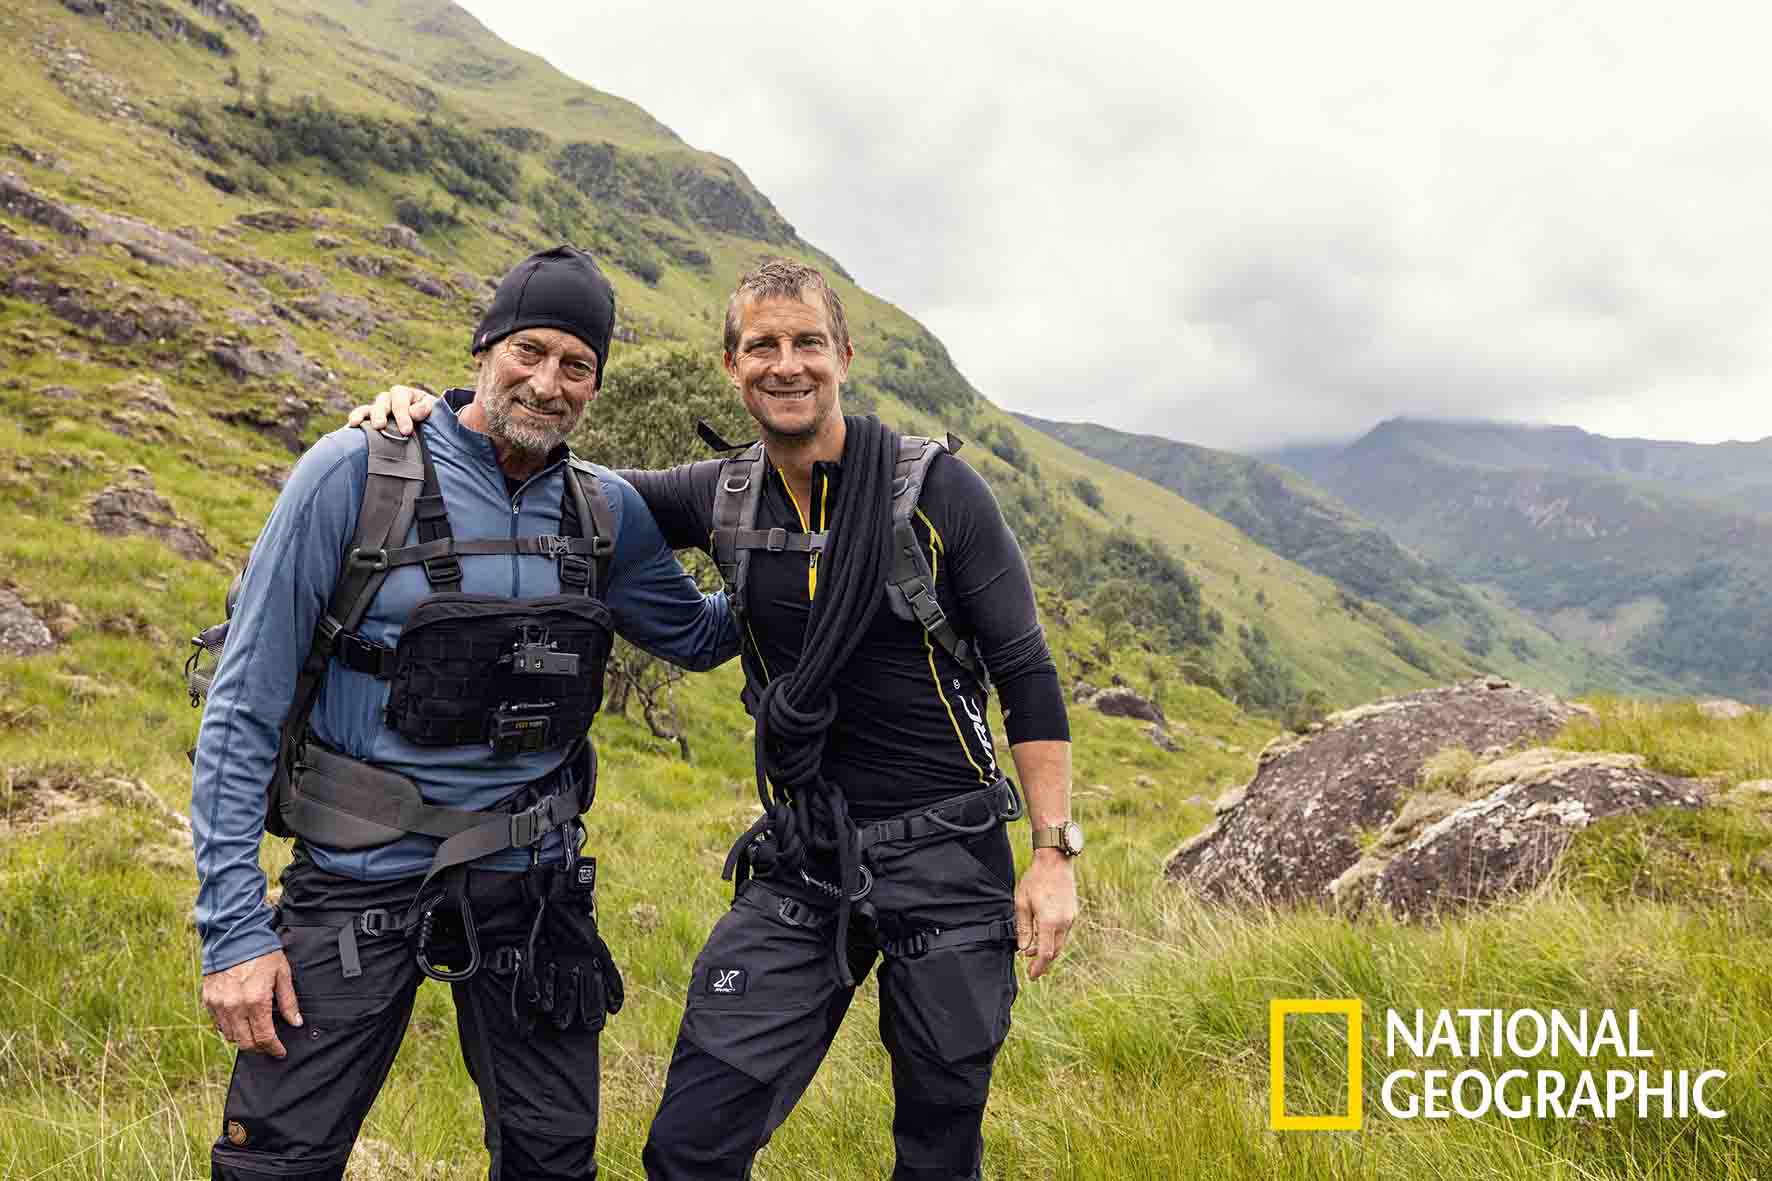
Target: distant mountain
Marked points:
1657	553
1283	512
1738	473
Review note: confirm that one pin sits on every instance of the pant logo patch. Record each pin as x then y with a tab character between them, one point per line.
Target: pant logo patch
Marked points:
236	1133
726	981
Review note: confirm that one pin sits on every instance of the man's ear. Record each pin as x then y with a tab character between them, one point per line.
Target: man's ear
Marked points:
728	363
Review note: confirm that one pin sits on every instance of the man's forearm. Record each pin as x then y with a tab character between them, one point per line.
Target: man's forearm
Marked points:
1044	768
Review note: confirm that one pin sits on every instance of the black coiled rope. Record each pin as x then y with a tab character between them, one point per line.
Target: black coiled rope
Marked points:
806	814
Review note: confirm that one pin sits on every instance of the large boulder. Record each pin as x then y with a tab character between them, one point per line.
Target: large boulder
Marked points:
1299	823
1525	810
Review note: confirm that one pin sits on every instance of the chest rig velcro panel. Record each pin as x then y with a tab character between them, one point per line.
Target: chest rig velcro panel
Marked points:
910	584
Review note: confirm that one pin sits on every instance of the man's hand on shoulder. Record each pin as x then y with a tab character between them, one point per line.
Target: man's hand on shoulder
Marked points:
1045	908
406	404
240	998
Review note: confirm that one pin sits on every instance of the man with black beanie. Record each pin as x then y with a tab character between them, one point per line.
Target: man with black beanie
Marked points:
412	665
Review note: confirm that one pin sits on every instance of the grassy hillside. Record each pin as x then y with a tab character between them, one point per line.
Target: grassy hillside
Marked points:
1284	513
1640	568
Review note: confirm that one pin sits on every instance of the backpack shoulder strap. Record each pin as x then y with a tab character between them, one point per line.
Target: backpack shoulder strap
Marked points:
585	512
737	493
397	472
910	584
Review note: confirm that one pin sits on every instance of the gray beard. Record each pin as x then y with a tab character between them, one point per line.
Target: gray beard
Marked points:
525	438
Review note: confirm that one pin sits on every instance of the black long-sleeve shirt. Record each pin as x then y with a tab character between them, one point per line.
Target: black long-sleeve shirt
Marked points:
910	725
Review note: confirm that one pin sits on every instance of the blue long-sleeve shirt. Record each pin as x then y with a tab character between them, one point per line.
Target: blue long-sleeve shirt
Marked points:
288	583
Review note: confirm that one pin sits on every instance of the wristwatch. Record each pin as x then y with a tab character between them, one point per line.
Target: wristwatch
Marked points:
1067	838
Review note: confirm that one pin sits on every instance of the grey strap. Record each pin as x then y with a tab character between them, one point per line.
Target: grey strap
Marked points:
736	497
910	585
779	541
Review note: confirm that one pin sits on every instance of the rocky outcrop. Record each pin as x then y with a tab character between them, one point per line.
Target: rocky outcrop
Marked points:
1526	810
280	221
241	361
398	237
21	632
1298	825
133	507
140	318
1117	701
354	317
153	18
285	420
1723	709
21	200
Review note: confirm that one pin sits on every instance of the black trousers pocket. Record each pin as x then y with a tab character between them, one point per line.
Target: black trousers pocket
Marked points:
951	1003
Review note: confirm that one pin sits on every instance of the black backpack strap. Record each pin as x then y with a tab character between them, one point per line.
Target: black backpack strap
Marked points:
910	584
442	571
583	500
737	493
397	470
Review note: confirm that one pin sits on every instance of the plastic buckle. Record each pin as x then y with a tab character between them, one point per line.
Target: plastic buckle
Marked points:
914	946
574	570
555	545
528	827
443	569
373	922
374	559
925	606
794	913
505	961
778	540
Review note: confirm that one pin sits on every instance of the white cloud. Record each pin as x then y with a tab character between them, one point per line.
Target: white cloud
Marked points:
1243	225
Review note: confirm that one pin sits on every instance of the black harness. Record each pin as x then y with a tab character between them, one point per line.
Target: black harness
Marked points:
522	675
910	584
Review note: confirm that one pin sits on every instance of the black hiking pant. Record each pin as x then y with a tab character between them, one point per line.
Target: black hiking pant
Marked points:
296	1118
764	1005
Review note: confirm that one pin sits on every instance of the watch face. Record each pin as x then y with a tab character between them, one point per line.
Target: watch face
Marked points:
1073	838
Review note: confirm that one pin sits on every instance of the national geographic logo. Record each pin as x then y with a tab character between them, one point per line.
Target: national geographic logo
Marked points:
1426	1091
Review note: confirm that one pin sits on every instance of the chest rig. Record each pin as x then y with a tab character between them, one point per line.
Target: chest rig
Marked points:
910	584
520	675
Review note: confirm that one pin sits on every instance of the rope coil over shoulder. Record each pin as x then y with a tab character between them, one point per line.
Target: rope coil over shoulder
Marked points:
807	814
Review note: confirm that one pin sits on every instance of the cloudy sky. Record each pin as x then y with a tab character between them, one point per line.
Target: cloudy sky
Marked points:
1254	223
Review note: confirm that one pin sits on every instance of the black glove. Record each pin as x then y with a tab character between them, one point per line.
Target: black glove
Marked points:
568	974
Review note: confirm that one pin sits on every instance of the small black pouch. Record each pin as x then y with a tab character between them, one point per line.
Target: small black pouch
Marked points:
520	675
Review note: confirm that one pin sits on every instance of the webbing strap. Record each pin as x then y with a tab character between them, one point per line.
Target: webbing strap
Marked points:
910	584
736	497
921	943
547	545
374	922
959	815
390	496
779	541
584	500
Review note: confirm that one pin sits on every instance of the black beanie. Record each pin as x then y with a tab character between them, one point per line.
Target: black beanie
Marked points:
559	288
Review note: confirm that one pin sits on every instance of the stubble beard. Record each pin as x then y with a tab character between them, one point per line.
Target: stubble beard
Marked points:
523	437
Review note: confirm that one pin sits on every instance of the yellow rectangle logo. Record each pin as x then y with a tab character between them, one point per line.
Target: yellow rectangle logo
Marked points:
1278	1120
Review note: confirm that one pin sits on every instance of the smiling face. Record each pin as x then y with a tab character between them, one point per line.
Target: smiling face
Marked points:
533	387
788	367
